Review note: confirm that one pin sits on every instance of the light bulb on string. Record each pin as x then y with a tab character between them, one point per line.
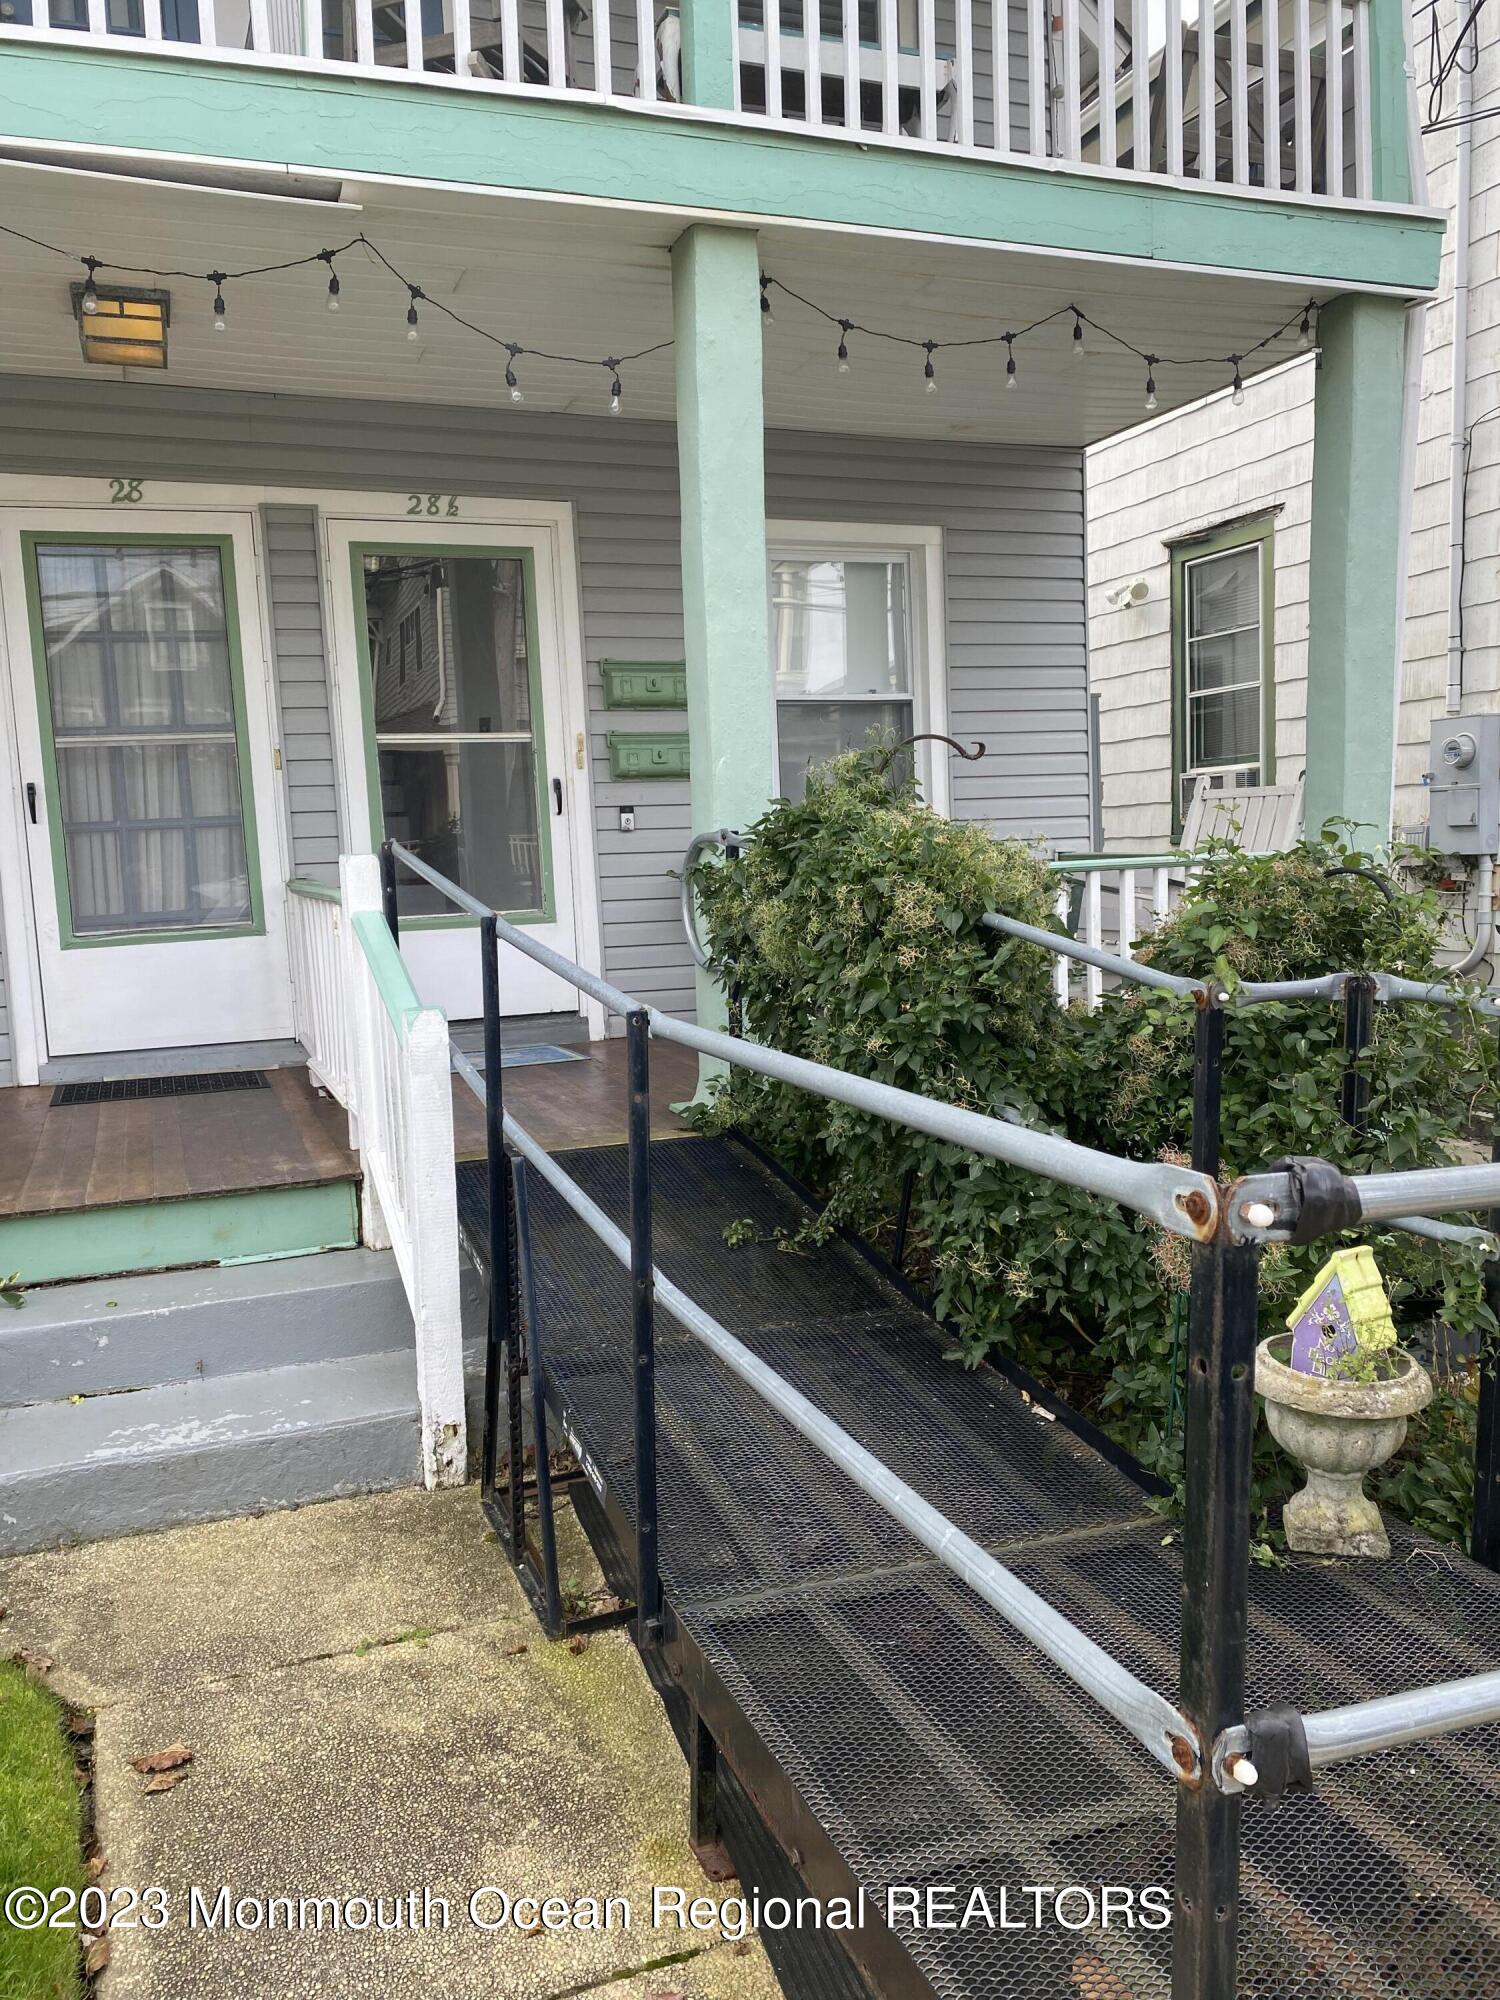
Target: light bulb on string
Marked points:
1150	381
845	326
413	327
1010	360
929	373
221	311
615	391
89	299
1305	331
517	394
1238	395
1079	350
767	317
326	257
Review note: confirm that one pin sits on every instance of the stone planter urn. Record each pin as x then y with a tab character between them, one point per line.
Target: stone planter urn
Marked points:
1337	1430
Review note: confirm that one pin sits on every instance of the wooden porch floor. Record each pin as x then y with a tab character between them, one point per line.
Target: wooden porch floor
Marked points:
565	1106
87	1156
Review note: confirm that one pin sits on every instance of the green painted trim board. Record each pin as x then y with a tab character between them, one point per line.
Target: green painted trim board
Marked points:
350	125
171	1235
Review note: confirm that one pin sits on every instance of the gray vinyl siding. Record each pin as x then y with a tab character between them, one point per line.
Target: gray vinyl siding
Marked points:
300	658
1013	538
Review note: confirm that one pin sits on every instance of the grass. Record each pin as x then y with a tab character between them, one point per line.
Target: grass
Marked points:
39	1835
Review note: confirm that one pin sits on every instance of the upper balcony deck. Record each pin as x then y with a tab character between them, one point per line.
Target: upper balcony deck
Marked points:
1076	81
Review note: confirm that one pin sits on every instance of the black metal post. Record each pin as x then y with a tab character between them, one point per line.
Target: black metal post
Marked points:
551	1608
388	890
903	1218
502	1280
1484	1536
1219	1417
705	1836
643	1316
1359	1023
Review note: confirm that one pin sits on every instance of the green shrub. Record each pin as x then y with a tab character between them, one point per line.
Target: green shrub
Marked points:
850	932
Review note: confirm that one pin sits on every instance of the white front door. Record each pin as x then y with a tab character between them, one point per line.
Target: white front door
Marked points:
149	812
450	667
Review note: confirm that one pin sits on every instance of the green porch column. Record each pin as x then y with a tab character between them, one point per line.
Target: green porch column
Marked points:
1354	591
1390	102
721	468
708	53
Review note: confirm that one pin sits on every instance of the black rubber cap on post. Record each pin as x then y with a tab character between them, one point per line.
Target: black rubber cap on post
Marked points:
1278	1749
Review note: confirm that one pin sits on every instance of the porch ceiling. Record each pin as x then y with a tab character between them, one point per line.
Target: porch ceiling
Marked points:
587	280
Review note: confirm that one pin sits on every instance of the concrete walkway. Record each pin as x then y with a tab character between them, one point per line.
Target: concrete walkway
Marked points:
372	1711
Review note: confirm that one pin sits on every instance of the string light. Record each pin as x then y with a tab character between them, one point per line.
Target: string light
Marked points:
929	373
1150	381
1079	350
1238	396
517	394
767	317
846	326
89	298
1305	331
413	327
327	257
218	280
1010	361
615	391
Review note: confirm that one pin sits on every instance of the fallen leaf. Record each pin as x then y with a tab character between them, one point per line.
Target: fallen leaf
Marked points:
95	1866
512	1651
163	1760
741	1949
96	1957
39	1663
164	1781
529	1930
578	1643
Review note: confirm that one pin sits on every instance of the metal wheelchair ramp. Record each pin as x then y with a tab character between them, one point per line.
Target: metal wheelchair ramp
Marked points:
892	1730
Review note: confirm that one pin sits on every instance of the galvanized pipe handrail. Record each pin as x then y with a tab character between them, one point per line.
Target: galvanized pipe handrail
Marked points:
1088	954
1360	1728
1149	1716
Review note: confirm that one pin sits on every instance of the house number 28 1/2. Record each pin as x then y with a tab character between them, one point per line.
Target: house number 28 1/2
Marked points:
125	492
445	504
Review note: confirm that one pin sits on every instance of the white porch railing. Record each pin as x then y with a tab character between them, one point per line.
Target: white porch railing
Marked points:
385	1057
1118	902
1258	93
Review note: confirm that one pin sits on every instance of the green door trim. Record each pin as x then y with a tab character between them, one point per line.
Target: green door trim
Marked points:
69	939
1252	531
486	552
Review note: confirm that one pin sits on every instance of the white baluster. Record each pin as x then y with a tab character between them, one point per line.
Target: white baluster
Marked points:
412	22
771	10
1061	965
1364	161
1093	934
1302	88
890	107
1140	87
1333	96
812	44
1109	103
151	20
462	37
645	35
1172	78
312	26
963	58
1128	931
853	115
1070	140
1239	96
1000	57
99	16
1270	89
926	70
557	46
1038	137
1208	95
1161	895
364	33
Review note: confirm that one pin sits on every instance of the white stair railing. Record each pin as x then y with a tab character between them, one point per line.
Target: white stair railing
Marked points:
320	1000
1121	902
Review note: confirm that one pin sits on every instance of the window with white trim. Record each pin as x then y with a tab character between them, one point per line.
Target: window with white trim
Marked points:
843	637
1222	618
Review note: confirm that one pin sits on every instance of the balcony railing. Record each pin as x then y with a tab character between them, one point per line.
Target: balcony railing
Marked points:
1118	84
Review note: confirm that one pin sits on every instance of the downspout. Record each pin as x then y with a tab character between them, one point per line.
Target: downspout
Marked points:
1458	442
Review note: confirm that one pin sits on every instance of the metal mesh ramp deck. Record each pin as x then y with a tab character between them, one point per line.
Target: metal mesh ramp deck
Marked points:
898	1731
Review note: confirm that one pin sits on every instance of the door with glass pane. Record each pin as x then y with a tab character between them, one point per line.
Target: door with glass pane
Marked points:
841	650
457	655
146	774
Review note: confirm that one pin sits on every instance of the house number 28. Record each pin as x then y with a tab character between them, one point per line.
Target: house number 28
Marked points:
124	492
445	504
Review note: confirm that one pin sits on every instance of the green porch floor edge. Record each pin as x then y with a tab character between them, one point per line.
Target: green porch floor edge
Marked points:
170	1235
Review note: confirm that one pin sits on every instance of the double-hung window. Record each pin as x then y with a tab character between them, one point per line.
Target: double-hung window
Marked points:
1222	612
850	648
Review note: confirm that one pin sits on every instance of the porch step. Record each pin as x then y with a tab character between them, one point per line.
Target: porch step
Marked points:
109	1334
202	1449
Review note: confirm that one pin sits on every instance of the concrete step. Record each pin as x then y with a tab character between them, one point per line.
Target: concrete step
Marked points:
202	1449
109	1334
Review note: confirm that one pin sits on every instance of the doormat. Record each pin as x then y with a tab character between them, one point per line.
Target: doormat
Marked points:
122	1089
528	1053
